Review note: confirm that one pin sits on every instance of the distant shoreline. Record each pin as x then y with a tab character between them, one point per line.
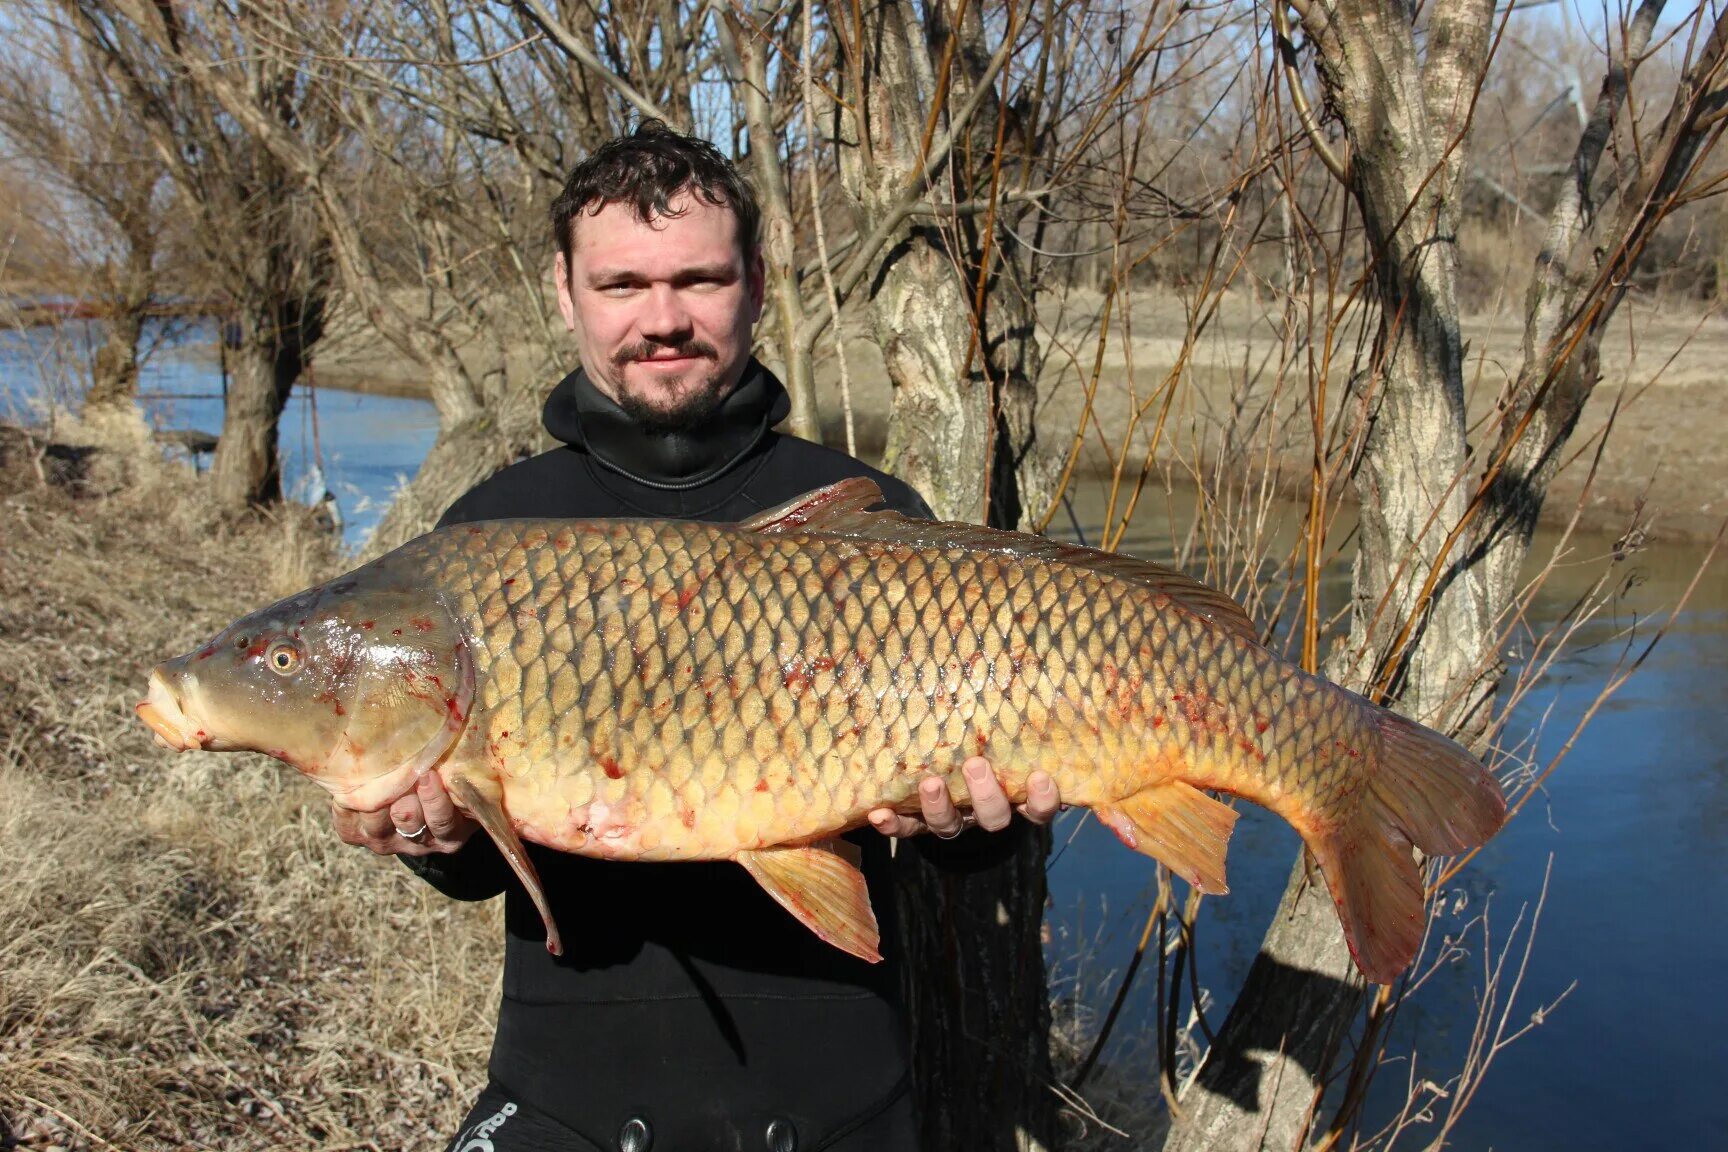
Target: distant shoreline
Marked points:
1616	496
1663	467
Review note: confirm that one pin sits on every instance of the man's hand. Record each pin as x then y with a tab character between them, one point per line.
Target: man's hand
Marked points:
990	807
427	812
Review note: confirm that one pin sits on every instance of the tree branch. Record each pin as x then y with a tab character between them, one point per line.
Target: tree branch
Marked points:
582	54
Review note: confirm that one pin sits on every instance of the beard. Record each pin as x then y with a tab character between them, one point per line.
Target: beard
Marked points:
687	415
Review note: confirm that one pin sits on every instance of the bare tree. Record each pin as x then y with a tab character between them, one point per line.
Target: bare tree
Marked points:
1442	537
266	257
60	111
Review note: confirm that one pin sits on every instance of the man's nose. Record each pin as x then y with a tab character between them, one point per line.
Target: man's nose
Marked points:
664	316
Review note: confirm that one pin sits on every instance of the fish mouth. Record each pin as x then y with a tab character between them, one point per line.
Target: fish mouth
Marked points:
167	719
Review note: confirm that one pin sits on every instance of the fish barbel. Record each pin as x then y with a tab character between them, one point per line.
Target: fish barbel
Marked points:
659	690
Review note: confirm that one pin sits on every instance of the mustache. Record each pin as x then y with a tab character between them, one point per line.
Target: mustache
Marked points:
645	349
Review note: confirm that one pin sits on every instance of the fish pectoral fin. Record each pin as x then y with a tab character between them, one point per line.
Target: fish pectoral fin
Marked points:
483	800
823	890
1180	827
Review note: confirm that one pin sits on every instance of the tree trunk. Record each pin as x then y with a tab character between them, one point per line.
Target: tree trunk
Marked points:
744	56
977	997
114	369
1261	1086
997	274
1258	1086
974	963
247	470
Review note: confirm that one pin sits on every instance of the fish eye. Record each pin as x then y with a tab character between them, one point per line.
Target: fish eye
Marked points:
283	658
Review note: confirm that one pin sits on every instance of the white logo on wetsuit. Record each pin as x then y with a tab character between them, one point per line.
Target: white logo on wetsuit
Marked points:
479	1137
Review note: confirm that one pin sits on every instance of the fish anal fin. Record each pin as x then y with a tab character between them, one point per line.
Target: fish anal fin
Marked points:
823	890
483	800
1179	826
843	509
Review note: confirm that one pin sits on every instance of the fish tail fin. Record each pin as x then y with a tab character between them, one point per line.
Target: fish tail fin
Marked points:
1428	792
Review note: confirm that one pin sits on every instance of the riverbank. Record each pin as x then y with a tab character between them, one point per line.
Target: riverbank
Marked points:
1665	465
191	959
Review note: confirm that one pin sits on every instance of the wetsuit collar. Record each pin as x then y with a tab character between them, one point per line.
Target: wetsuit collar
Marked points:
588	420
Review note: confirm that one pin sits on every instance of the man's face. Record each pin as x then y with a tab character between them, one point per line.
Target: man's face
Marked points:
662	311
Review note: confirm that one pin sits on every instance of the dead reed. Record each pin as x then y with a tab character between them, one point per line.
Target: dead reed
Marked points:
190	958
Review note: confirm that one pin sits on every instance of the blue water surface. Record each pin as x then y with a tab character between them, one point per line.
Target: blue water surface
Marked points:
368	444
1635	921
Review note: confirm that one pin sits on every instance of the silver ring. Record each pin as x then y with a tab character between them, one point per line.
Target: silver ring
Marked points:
967	819
416	836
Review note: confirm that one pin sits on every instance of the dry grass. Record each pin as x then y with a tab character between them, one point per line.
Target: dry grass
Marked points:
191	959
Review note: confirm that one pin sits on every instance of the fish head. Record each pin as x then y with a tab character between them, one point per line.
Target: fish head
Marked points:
362	683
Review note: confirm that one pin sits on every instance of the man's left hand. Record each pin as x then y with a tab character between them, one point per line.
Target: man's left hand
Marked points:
990	808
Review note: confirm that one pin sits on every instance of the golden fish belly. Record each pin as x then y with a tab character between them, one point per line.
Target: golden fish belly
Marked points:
674	691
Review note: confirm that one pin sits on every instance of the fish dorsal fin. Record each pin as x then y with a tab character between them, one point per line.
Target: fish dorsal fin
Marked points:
840	509
844	509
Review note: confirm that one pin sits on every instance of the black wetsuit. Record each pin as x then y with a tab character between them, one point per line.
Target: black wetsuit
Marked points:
689	1011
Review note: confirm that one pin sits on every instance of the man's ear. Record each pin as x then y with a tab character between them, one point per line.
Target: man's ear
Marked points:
566	303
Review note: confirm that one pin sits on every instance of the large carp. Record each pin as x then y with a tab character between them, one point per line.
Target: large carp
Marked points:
657	690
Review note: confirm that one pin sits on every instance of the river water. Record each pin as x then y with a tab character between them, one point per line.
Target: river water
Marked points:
367	445
1634	821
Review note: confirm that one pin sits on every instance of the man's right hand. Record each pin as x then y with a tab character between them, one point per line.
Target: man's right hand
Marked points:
427	811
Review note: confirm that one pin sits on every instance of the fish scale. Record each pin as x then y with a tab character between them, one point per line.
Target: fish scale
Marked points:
659	690
940	675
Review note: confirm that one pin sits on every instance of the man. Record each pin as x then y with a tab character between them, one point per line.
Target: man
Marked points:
689	1011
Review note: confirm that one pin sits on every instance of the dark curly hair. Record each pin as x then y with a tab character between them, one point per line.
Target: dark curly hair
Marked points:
649	168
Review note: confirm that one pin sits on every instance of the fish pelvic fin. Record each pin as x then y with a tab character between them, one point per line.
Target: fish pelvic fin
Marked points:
1425	792
483	800
1179	826
824	890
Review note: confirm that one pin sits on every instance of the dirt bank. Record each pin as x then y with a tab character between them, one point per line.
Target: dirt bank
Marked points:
1666	458
1662	368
